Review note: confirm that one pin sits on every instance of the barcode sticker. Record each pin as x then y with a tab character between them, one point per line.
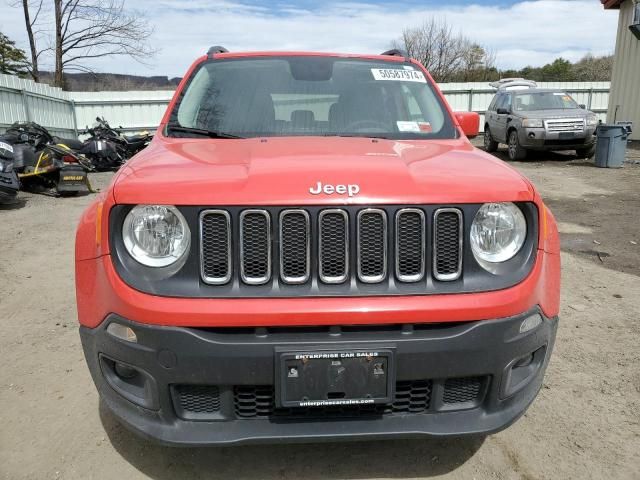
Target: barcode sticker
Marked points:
398	75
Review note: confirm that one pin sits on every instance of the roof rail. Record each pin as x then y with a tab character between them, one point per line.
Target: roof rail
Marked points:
396	52
217	49
513	84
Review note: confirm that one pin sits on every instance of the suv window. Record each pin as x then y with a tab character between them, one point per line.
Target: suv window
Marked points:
544	101
311	95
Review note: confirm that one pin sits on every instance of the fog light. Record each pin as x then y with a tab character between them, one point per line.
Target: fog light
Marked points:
125	371
122	332
523	362
530	323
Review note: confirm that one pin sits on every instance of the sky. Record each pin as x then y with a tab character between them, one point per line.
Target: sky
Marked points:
521	33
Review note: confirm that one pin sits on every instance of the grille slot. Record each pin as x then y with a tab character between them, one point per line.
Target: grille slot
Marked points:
215	246
447	240
195	402
333	245
410	244
462	390
412	397
372	245
255	247
295	246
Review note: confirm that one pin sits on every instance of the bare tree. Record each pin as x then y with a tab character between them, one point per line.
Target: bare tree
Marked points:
90	29
31	24
437	47
448	56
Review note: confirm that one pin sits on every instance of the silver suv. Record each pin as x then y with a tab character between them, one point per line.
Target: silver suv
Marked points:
529	118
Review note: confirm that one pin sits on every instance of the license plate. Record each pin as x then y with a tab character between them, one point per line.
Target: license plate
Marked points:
565	135
318	378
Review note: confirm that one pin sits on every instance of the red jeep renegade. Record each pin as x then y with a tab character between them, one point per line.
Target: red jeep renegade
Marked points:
311	249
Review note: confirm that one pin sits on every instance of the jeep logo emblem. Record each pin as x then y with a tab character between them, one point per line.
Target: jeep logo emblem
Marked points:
329	189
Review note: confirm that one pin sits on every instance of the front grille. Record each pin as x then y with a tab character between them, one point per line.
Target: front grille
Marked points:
462	390
313	246
447	253
565	125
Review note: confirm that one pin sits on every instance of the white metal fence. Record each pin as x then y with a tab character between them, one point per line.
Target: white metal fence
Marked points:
66	113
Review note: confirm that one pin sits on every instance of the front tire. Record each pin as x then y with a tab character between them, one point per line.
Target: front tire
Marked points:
515	151
490	145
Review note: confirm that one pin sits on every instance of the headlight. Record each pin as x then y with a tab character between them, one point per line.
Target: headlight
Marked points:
156	235
592	121
498	232
532	123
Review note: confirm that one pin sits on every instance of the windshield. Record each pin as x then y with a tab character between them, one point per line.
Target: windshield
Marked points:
525	102
317	96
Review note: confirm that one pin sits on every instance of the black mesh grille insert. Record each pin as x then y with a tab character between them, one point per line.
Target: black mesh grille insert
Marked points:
447	244
410	232
372	246
294	246
412	397
253	400
194	401
216	254
259	401
462	390
333	246
255	247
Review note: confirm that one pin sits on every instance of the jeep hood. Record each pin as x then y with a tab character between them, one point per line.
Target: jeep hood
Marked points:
280	171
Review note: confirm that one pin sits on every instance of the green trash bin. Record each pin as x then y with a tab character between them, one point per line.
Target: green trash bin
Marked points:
611	145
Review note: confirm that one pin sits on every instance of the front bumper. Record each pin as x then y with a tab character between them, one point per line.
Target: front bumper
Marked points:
205	386
541	139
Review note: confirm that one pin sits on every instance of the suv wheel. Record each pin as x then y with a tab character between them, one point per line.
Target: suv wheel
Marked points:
490	145
516	152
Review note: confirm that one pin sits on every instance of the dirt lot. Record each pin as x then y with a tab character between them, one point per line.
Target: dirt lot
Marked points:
585	423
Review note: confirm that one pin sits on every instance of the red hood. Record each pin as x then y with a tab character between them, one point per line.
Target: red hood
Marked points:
280	171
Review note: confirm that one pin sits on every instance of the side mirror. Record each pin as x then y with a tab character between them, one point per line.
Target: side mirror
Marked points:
503	111
583	106
469	122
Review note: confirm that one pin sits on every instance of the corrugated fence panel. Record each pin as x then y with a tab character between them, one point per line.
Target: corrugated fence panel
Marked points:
140	110
22	100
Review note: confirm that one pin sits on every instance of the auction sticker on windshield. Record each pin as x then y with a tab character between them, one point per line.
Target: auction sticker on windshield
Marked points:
397	74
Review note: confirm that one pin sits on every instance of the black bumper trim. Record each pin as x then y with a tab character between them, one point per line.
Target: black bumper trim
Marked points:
173	356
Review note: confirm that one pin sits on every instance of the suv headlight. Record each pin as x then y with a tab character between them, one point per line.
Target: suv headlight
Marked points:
532	123
592	121
498	232
156	235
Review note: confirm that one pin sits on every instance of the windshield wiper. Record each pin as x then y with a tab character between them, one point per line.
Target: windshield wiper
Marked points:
201	131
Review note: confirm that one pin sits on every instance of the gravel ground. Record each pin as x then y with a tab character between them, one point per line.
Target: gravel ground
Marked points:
585	423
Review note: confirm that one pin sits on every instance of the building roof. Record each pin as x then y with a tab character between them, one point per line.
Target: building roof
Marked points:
611	4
